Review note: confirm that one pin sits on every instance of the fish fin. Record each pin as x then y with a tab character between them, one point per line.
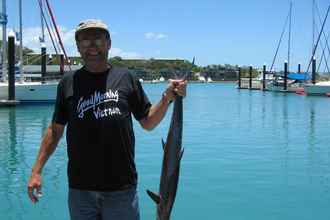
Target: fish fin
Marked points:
184	77
154	196
163	144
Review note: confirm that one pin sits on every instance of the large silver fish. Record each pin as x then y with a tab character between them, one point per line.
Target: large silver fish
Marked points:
173	152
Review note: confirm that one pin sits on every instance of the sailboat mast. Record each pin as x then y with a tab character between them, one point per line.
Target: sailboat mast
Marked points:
3	20
42	23
289	43
313	28
21	42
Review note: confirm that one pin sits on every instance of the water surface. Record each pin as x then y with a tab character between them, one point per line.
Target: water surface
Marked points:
248	155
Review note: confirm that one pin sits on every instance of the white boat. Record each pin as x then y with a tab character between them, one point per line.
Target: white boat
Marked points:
201	79
37	92
295	82
278	86
27	91
320	88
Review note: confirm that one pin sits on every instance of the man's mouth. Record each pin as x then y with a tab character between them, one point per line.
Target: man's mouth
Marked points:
93	53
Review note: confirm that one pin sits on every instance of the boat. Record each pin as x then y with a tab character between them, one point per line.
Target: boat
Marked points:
39	91
323	87
277	84
319	88
31	92
209	80
295	83
201	79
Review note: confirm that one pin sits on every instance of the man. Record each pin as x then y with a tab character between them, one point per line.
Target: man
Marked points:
96	104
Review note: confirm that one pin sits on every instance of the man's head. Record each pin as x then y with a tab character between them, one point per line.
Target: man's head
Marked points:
92	24
93	42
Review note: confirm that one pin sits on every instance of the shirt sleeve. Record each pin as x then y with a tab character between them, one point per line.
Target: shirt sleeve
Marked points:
60	115
139	101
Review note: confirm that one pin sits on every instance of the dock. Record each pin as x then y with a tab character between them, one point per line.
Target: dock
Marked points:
8	103
255	84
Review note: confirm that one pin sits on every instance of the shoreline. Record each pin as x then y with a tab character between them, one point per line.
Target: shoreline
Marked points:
192	81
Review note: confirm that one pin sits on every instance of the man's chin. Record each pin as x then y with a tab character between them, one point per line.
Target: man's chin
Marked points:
94	60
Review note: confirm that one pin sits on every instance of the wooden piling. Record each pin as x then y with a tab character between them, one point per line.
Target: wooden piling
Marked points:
61	64
314	70
239	78
11	68
43	62
285	86
250	77
264	78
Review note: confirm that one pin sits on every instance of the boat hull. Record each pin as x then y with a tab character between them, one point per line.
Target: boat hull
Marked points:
279	87
315	89
31	91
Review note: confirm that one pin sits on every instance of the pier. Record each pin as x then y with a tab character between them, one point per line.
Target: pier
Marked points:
9	103
252	83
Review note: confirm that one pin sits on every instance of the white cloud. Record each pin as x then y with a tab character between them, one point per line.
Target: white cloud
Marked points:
161	36
31	40
154	36
149	35
123	54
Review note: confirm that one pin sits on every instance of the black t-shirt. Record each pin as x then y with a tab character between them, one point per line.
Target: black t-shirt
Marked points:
97	110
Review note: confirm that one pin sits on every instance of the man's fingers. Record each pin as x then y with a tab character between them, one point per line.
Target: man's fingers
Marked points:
177	86
34	192
33	198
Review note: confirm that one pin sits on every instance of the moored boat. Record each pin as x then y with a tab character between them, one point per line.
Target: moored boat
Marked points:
319	88
31	91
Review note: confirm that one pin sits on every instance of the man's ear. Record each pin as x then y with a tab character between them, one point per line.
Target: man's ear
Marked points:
109	44
78	48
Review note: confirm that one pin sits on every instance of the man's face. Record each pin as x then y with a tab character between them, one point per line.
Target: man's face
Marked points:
93	46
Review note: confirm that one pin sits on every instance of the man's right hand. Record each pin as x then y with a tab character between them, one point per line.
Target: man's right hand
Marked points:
34	187
49	142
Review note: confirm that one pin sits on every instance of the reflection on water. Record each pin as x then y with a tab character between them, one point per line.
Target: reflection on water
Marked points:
311	139
11	160
21	130
260	151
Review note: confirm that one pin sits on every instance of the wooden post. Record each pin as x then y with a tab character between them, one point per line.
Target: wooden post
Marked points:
314	71
61	64
285	86
239	78
264	78
43	62
250	77
11	68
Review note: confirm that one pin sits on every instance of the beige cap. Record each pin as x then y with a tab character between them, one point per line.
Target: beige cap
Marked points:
91	24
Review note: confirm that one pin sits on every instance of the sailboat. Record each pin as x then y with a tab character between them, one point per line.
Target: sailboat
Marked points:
25	91
317	88
294	81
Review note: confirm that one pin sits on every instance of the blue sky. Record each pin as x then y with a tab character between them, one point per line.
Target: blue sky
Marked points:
216	32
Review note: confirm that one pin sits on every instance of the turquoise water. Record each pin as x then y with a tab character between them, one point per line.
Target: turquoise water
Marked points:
248	155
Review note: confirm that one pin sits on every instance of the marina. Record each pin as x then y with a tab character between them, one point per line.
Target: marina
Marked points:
255	137
248	155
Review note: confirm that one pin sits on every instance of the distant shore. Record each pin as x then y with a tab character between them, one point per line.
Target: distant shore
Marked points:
191	81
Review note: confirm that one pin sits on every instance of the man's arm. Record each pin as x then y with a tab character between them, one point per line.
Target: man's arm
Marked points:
49	143
158	111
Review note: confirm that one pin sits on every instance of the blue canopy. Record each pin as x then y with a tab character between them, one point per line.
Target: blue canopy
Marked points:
299	76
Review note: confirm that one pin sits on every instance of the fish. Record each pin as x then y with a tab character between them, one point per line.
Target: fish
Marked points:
173	152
